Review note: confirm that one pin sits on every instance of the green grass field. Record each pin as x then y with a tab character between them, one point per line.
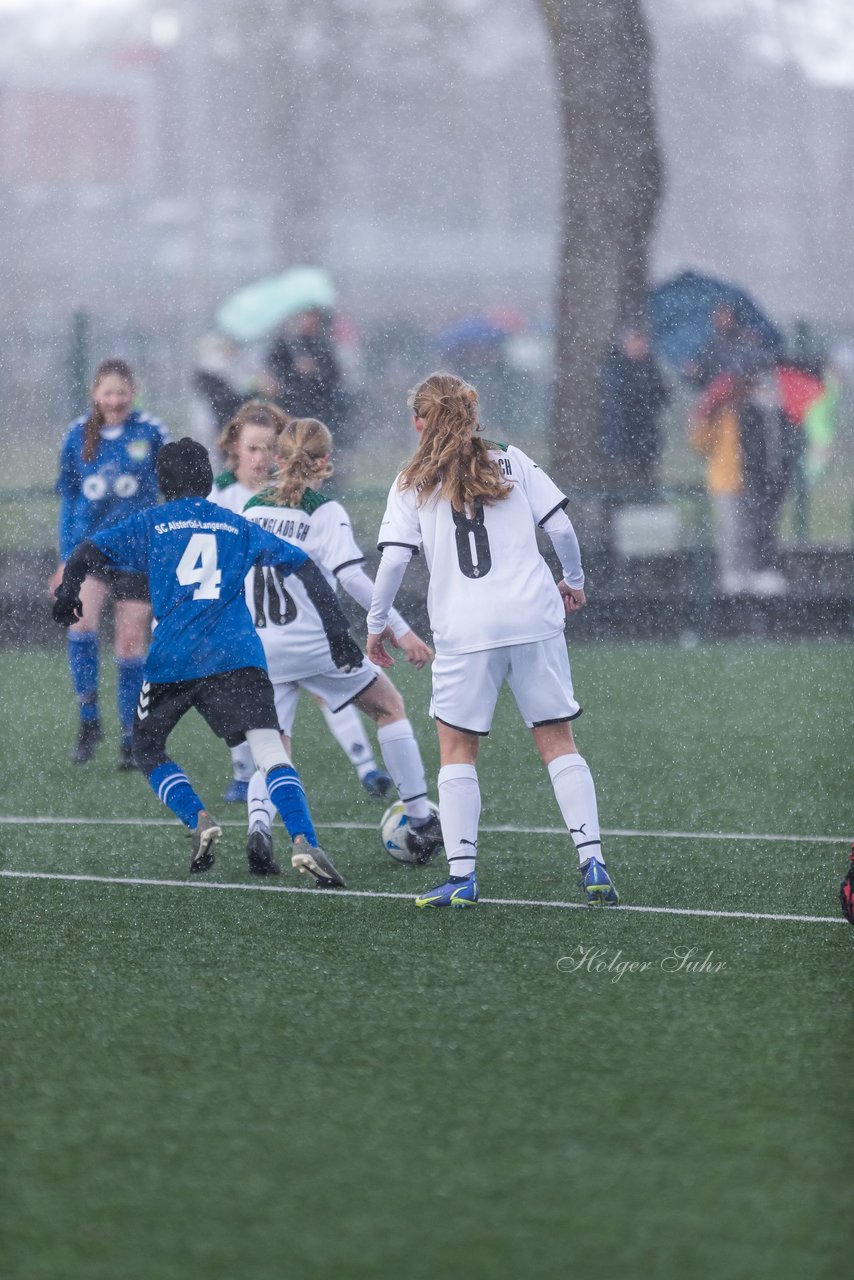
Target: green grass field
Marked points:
244	1083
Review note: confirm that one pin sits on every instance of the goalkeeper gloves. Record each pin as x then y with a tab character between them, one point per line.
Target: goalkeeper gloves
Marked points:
67	607
346	654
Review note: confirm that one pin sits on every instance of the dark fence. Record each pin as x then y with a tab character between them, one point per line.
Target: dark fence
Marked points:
649	563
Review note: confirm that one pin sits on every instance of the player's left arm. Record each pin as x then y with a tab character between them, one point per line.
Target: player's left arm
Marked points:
565	542
346	654
273	550
548	508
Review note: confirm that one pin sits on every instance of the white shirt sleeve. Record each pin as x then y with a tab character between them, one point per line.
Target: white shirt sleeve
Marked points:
400	526
357	584
565	542
544	497
336	547
389	577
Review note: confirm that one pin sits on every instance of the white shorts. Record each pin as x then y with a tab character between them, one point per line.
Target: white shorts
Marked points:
336	688
466	685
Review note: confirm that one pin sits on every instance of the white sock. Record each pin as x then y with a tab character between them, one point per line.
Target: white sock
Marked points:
262	811
576	796
348	730
459	809
403	761
242	764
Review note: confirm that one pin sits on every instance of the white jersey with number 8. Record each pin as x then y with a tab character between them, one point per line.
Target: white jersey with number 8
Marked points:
489	584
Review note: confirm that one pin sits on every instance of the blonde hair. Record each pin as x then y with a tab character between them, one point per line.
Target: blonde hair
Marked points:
255	413
303	453
450	454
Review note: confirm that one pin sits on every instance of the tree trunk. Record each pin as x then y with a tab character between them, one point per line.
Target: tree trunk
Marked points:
611	189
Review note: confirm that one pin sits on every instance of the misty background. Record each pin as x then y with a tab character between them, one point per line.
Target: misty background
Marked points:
154	158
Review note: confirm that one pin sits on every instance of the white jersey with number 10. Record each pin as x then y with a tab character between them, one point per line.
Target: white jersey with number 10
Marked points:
288	624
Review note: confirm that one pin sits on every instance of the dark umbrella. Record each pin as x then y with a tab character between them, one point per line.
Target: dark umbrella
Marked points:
680	317
475	331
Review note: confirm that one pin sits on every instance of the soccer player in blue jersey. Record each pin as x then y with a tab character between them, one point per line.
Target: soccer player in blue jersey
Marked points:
106	474
205	652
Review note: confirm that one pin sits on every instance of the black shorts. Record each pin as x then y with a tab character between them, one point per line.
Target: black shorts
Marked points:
124	586
231	703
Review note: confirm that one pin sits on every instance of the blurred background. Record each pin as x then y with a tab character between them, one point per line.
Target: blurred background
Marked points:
155	159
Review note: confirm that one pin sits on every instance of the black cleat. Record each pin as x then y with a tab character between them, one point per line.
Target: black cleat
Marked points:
259	852
126	760
425	841
204	838
88	737
309	860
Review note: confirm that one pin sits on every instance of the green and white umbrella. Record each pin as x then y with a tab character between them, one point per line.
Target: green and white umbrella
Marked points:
258	308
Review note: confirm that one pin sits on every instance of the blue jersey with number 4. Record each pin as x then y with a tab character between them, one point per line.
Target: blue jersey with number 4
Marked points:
197	556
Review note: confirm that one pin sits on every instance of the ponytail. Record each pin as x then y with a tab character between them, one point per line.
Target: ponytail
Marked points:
450	454
303	459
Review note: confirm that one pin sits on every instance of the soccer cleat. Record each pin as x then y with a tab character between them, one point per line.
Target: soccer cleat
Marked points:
312	861
597	884
259	852
88	737
126	760
377	784
204	837
424	841
462	894
236	792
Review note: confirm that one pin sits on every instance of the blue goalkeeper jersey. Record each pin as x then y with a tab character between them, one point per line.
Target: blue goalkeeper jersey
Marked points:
119	481
197	556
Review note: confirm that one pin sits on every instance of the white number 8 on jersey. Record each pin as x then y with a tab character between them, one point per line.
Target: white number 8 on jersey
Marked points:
198	564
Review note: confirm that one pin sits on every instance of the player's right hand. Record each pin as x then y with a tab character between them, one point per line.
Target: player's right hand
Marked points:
67	608
346	654
377	652
573	597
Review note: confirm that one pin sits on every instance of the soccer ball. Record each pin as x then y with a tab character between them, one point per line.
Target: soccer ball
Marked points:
393	826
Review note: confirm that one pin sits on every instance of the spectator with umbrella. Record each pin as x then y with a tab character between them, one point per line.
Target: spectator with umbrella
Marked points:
723	345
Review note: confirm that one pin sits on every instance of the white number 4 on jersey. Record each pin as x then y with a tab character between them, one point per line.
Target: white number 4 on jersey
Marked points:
198	565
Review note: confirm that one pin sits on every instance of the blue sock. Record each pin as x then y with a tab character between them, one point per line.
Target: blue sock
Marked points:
83	665
170	784
286	792
128	682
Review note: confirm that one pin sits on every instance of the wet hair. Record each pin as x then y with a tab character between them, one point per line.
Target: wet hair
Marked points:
255	413
303	459
452	461
92	426
184	469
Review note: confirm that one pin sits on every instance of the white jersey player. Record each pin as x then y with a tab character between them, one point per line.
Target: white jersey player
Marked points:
497	615
295	643
249	444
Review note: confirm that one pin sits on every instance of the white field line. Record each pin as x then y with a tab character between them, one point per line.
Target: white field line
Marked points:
136	881
19	820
